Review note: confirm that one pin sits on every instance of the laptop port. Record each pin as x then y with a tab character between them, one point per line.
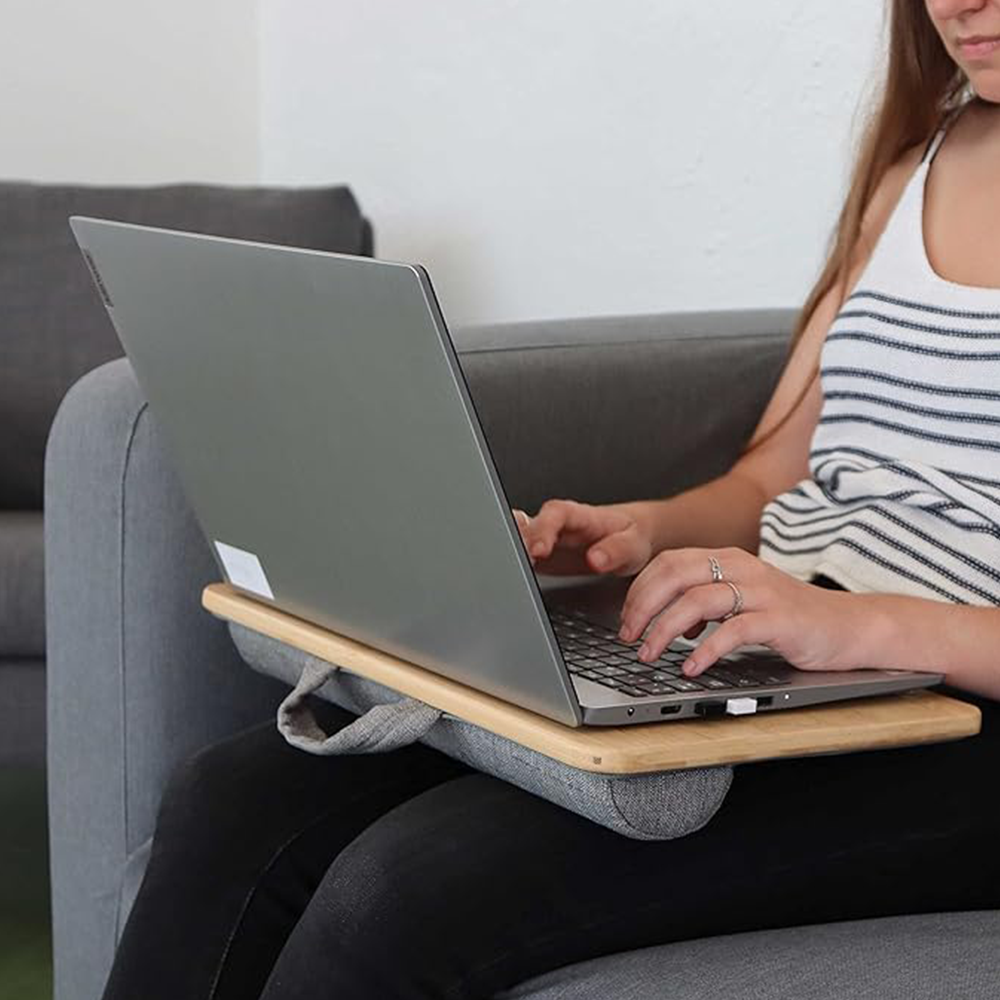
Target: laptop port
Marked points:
669	709
765	701
708	709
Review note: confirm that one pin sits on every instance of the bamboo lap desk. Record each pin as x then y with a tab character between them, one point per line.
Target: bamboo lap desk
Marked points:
843	727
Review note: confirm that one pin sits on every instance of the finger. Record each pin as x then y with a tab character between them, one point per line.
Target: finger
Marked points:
545	527
743	630
617	553
683	569
555	518
709	602
523	522
693	633
668	576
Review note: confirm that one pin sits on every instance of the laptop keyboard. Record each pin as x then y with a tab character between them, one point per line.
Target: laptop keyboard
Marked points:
596	653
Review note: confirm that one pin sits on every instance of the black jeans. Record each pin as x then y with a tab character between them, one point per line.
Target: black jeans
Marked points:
281	875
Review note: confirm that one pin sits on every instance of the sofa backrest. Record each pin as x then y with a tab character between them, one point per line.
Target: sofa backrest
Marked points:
618	408
53	327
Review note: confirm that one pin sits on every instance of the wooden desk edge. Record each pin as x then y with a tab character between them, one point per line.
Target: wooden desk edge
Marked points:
890	721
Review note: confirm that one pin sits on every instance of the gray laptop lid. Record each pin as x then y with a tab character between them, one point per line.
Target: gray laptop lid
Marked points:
323	432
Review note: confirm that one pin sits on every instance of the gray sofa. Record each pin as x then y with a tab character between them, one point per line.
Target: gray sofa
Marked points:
53	328
140	676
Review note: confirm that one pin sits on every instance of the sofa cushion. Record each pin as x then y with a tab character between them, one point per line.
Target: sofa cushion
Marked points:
53	327
22	579
928	957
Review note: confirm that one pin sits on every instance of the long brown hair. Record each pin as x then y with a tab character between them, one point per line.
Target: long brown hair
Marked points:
922	87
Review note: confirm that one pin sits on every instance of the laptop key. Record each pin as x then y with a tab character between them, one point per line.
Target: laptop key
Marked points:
612	671
609	650
730	677
659	689
631	655
670	671
713	683
647	683
633	692
686	684
611	682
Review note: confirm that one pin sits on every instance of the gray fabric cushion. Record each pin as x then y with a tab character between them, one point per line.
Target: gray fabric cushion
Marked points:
644	807
612	409
53	327
22	584
933	957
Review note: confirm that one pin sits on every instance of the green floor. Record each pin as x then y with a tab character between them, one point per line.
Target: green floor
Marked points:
25	941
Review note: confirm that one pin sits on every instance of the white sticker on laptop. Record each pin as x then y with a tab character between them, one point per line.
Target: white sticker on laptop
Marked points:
244	570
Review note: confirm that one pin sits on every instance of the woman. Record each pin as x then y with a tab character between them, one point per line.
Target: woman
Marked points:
875	473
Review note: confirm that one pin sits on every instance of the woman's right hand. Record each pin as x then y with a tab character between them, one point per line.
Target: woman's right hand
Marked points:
570	538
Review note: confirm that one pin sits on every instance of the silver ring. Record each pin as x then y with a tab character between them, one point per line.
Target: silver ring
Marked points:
737	600
717	576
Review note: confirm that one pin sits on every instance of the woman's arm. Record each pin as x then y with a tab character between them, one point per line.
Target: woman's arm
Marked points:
572	537
726	511
910	633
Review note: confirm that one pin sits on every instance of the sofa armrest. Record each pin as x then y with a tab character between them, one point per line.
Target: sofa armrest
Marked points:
139	676
621	408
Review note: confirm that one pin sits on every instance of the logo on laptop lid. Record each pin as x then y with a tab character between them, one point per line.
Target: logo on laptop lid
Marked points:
98	280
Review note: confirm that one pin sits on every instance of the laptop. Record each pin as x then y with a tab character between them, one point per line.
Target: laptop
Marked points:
324	434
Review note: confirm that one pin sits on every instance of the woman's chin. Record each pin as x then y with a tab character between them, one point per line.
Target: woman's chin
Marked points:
987	85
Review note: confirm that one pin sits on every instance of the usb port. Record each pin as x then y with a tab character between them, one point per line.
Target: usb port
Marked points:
708	709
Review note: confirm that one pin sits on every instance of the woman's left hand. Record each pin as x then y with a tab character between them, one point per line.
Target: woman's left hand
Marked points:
811	627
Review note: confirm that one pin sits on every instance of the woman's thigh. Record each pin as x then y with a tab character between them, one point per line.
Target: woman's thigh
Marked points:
474	886
245	833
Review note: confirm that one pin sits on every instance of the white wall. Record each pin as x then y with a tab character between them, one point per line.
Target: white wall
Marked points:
575	157
542	157
120	91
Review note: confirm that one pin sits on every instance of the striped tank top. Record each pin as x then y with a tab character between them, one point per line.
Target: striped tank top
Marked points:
904	494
